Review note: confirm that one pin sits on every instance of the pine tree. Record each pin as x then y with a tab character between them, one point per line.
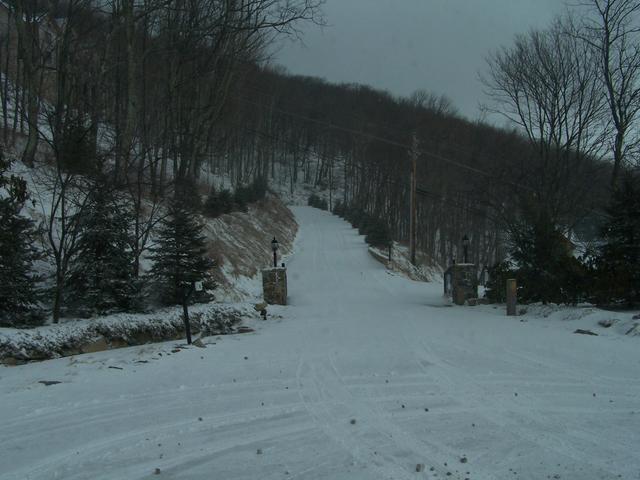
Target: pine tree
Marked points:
101	277
547	271
378	234
259	188
242	197
619	260
179	256
18	285
225	200
18	281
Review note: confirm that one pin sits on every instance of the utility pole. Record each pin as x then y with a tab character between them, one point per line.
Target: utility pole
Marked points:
331	185
413	213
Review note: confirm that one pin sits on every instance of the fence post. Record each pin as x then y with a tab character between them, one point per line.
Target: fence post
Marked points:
512	297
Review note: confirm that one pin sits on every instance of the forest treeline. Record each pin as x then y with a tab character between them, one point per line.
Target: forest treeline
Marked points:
154	97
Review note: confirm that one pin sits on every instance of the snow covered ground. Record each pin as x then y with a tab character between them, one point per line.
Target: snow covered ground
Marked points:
364	376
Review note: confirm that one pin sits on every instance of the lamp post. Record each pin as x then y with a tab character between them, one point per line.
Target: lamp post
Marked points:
465	247
274	247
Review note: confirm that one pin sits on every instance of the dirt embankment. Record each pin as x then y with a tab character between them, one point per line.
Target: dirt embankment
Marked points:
240	243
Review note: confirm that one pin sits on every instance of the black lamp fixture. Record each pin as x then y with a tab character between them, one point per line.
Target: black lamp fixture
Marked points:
465	247
274	247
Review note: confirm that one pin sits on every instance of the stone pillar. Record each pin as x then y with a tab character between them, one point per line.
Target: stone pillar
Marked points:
274	285
464	282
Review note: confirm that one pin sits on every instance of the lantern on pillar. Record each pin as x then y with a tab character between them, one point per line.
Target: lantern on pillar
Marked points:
275	246
465	247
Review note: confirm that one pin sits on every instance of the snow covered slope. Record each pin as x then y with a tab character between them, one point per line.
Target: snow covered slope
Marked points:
365	376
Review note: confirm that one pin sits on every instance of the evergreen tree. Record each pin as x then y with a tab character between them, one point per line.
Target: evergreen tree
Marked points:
242	198
101	277
339	209
495	289
180	256
226	201
547	271
258	189
378	234
213	206
18	281
618	265
18	285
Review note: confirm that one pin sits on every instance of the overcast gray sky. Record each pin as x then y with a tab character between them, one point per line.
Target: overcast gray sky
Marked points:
405	45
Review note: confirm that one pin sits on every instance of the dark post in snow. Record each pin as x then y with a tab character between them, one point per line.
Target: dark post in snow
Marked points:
512	296
413	218
274	247
187	291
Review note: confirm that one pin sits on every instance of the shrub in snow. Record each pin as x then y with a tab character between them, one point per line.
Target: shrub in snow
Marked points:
218	203
317	202
212	207
495	288
378	234
355	215
241	198
225	199
339	209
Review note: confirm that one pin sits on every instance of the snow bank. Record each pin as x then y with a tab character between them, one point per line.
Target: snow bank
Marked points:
83	336
401	263
584	316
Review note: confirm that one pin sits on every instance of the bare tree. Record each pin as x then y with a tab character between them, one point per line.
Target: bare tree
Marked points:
612	29
29	21
548	85
439	104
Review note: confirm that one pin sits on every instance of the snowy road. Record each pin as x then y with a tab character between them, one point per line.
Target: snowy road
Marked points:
461	390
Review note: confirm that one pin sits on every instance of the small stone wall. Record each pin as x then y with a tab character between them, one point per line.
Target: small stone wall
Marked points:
274	285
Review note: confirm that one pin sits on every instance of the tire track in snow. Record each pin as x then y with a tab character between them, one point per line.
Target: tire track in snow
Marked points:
375	438
252	418
543	439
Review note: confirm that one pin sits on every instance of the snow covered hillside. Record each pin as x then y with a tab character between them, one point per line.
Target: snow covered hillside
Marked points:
366	375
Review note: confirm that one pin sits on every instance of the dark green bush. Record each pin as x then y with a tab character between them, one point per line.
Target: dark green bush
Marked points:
378	234
317	202
495	288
